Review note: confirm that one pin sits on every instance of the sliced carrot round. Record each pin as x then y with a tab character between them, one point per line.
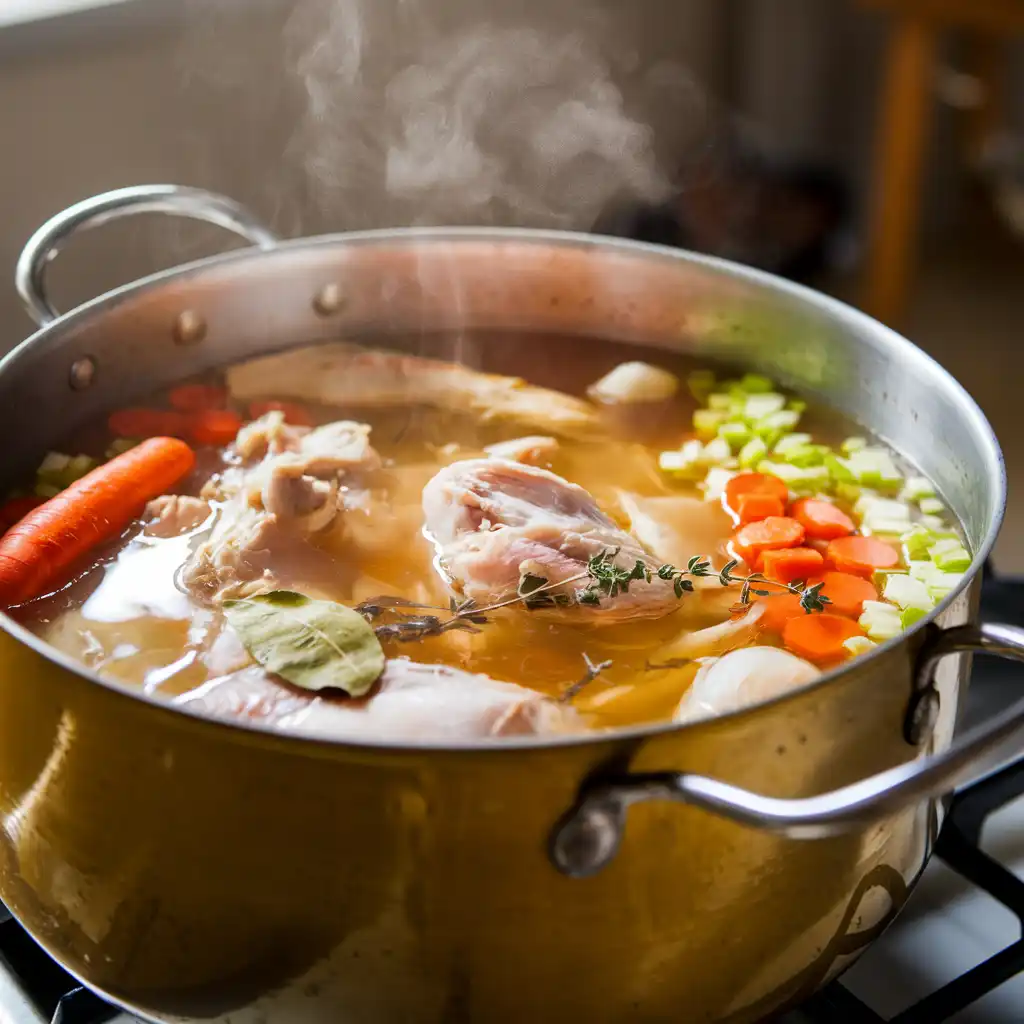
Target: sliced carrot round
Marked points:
789	564
766	535
846	592
862	555
778	611
821	519
215	427
819	637
294	414
755	506
753	483
197	397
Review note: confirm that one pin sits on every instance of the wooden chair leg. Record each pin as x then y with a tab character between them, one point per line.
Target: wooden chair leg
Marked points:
903	133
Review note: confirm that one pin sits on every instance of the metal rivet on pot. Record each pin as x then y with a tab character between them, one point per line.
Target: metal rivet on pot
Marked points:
922	716
587	838
189	328
328	300
82	373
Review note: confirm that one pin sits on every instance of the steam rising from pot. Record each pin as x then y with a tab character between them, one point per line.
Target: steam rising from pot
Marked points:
449	111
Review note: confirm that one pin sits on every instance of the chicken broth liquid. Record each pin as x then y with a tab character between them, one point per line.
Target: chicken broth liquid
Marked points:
607	474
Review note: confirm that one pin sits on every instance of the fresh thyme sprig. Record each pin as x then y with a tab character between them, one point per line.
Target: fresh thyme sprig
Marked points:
604	580
593	671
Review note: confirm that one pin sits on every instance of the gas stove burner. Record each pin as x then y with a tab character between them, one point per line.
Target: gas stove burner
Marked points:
35	990
959	847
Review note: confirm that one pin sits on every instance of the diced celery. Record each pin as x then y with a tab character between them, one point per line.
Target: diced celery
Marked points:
917	541
716	451
687	462
736	435
755	384
784	420
796	405
757	407
839	469
120	445
907	592
802	479
719	402
45	490
847	491
933	523
950	556
805	455
53	466
880	621
908	616
714	483
752	453
707	421
942	584
883	515
859	645
853	444
874	467
923	570
701	383
80	466
931	506
916	488
792	441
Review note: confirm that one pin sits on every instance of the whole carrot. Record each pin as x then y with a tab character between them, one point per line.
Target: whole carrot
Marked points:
36	552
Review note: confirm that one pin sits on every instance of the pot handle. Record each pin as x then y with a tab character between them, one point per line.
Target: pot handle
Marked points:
588	836
194	203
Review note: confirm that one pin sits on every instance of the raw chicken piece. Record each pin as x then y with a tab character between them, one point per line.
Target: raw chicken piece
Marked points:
743	678
531	451
493	520
269	508
675	528
171	515
352	377
411	701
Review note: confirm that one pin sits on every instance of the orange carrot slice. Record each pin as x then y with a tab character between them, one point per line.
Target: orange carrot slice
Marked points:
757	505
778	611
197	397
37	552
846	592
821	519
766	535
791	564
862	555
215	427
819	637
753	483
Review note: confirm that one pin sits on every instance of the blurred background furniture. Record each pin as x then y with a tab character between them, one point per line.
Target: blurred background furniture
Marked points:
916	32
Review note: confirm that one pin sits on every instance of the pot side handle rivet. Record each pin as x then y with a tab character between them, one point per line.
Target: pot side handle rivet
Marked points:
328	300
82	373
587	838
922	716
189	328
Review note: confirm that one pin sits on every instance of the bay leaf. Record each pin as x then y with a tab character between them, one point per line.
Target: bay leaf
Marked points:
315	645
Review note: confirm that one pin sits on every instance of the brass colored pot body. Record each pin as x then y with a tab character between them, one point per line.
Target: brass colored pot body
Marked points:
190	869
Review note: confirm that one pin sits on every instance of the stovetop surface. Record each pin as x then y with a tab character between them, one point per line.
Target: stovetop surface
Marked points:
955	954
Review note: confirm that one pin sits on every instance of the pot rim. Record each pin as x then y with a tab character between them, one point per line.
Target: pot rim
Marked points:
834	308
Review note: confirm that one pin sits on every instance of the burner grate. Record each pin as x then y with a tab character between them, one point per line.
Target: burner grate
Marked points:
959	847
